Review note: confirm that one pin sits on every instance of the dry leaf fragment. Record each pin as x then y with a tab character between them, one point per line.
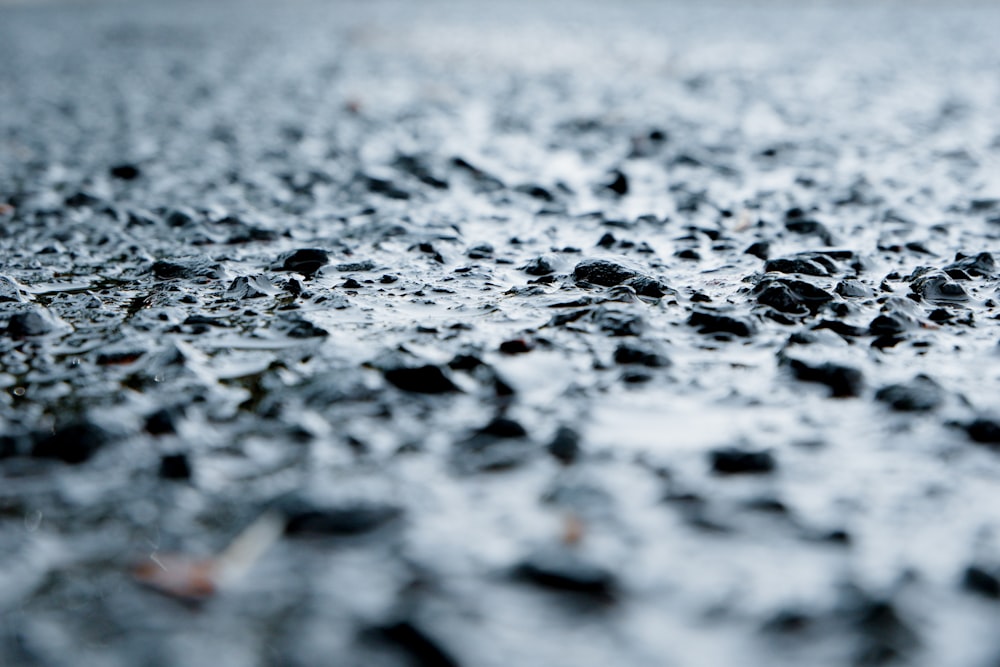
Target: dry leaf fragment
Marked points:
195	579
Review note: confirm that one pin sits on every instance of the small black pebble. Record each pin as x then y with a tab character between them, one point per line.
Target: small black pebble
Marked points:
162	422
760	249
427	379
986	431
74	443
305	519
733	461
306	261
980	580
564	571
918	395
125	172
843	381
31	323
175	466
565	445
711	323
602	272
422	650
619	185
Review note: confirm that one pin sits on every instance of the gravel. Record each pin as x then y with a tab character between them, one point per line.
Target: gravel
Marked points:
491	334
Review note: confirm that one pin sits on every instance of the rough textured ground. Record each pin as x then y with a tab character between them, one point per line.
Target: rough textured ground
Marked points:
660	334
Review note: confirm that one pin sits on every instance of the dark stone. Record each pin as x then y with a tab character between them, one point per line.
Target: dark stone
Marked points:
427	379
810	228
179	217
306	261
918	395
73	443
853	289
886	342
81	199
304	518
602	272
298	327
843	381
516	346
540	266
981	580
14	444
30	323
10	292
957	274
125	172
986	431
429	249
888	325
645	286
503	427
203	321
422	650
885	636
938	288
499	445
251	287
796	265
480	251
617	323
619	184
633	354
465	362
118	358
734	461
175	466
711	323
795	297
536	192
565	445
759	249
566	571
485	182
186	268
768	505
632	376
417	167
842	328
384	187
606	241
788	621
360	267
248	233
163	421
351	283
688	253
981	265
983	204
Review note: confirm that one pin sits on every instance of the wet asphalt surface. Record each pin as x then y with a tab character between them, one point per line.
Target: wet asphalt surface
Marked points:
536	334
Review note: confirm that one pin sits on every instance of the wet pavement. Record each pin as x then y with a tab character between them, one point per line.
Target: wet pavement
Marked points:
385	333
